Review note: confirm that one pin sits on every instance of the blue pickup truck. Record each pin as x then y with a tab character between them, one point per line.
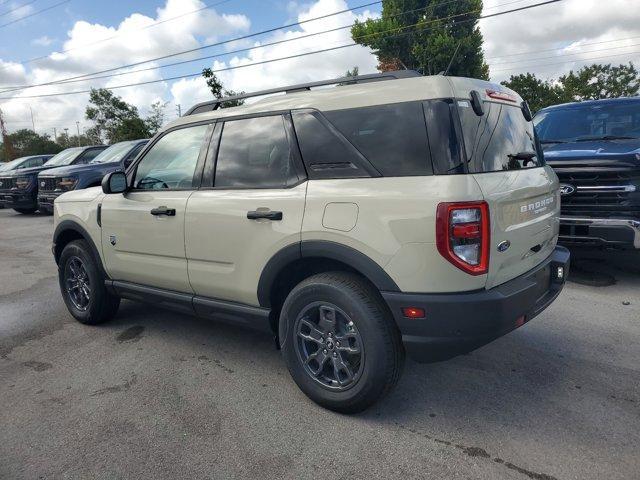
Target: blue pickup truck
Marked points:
54	182
594	147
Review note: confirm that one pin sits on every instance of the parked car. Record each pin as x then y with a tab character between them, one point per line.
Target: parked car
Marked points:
594	147
20	163
354	223
19	189
55	181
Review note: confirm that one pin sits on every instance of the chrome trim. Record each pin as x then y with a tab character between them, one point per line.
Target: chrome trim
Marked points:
608	188
616	222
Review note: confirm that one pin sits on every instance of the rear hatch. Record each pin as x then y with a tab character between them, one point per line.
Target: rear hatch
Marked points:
523	194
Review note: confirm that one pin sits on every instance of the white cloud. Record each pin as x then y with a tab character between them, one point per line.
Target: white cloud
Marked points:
92	46
556	35
303	69
43	41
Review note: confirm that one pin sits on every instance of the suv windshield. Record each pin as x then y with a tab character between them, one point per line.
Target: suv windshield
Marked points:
599	121
65	157
501	139
114	153
9	165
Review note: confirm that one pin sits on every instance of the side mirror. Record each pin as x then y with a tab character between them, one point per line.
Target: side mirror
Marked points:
114	182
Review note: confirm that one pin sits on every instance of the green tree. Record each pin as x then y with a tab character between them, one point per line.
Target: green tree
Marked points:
114	119
155	119
601	81
592	82
426	37
218	90
538	93
27	142
351	73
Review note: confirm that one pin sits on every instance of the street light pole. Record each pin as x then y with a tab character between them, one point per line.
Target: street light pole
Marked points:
78	127
33	124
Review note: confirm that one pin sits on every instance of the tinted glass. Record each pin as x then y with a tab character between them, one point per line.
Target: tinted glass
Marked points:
114	153
444	143
131	156
255	153
32	162
172	161
392	137
89	155
65	157
587	122
501	139
324	152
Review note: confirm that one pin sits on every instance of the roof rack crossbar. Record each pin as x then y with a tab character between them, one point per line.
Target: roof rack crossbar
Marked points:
373	77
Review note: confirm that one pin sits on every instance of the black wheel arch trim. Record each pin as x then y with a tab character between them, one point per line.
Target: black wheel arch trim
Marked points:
67	225
322	249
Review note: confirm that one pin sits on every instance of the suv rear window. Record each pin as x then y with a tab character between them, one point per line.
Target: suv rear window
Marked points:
501	139
392	137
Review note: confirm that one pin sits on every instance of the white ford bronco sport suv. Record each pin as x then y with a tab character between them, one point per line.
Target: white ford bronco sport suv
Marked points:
392	213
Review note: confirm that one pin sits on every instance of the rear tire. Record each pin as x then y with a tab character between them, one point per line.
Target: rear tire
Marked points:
25	211
82	285
339	341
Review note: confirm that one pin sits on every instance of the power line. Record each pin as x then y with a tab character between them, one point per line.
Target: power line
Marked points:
566	55
537	66
154	24
82	78
34	13
17	8
244	37
78	78
562	48
254	63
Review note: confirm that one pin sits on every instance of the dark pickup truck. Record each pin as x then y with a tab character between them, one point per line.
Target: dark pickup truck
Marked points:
19	189
594	147
54	182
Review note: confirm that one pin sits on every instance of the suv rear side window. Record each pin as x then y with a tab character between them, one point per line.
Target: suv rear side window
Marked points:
255	153
499	140
89	155
392	137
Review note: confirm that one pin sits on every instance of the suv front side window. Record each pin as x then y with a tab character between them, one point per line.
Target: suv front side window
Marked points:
171	162
255	153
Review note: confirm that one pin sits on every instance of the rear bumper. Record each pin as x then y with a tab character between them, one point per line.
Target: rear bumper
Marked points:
608	232
458	323
18	200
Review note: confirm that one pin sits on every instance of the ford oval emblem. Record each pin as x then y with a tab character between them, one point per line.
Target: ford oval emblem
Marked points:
42	184
504	246
566	189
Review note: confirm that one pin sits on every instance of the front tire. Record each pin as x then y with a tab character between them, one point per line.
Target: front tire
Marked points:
340	343
82	285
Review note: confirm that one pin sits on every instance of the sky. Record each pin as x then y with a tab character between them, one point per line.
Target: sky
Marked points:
47	40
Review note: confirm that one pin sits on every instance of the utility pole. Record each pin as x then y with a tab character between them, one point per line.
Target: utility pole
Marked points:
179	109
66	134
6	141
33	124
78	127
55	135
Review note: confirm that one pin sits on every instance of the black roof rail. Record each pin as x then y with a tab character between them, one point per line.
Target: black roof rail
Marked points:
373	77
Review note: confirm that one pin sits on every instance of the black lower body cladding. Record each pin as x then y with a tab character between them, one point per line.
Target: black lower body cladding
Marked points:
458	323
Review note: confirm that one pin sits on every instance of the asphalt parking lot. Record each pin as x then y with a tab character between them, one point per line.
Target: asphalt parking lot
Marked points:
155	394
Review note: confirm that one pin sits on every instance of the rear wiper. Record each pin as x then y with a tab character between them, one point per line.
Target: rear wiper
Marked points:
553	141
605	137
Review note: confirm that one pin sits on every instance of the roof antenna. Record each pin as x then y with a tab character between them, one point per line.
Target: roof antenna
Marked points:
446	72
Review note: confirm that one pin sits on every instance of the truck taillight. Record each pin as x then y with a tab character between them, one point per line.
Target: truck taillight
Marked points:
462	235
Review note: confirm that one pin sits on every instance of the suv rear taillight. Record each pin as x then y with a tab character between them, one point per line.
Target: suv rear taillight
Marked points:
462	235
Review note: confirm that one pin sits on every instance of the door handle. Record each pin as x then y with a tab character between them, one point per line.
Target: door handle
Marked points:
169	212
268	214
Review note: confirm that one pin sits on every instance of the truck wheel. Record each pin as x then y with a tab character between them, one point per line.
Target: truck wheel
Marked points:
340	342
45	211
82	285
25	211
